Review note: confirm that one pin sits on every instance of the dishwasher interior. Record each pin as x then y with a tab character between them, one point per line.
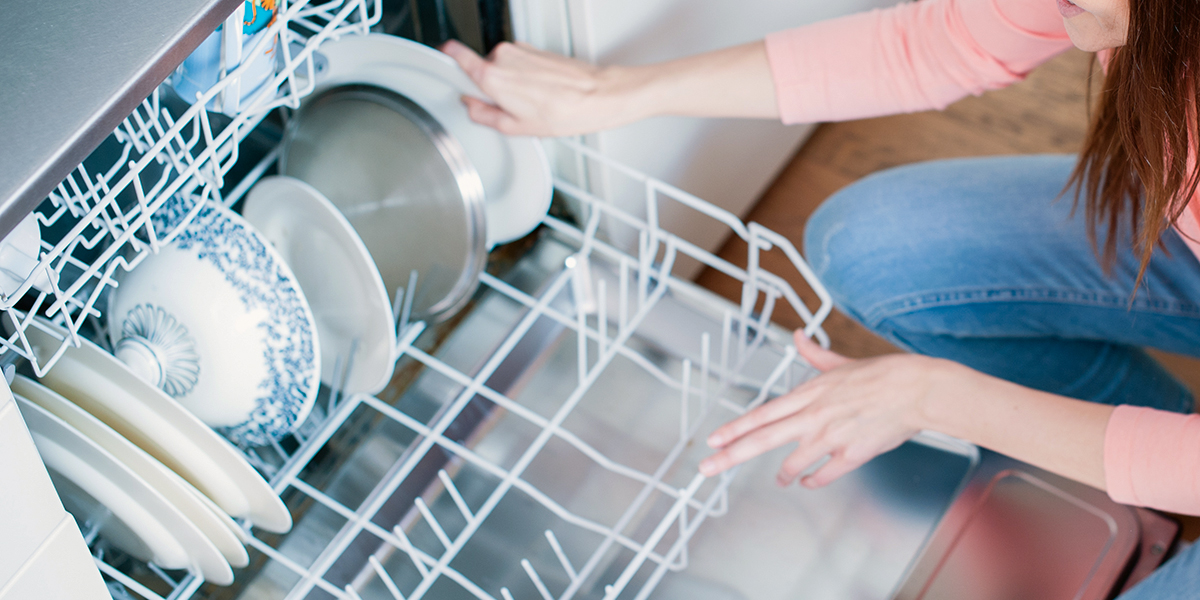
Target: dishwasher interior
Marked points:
544	442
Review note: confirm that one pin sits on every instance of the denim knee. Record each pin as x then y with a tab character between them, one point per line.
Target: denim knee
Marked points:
849	241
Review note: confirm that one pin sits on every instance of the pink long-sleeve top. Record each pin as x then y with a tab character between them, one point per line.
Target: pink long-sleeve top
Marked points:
926	55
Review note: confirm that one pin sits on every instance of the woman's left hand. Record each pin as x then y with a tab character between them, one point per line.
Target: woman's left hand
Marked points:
852	412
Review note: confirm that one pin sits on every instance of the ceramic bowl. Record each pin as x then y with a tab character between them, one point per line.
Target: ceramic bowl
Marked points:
217	321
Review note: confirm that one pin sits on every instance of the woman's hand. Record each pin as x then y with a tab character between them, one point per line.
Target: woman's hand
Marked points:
543	94
852	412
539	93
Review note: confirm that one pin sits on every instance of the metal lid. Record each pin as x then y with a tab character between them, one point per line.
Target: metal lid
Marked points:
403	182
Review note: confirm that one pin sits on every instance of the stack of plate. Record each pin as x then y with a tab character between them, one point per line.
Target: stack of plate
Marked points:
126	458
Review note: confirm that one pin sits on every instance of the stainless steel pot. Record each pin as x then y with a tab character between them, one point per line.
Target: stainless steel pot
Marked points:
404	183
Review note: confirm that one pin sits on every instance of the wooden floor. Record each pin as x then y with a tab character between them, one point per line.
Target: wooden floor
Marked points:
1045	113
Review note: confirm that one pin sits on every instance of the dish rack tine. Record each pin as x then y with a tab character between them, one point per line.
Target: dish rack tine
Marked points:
433	524
562	556
623	299
411	551
410	294
537	581
457	497
684	398
504	593
705	349
581	341
682	562
387	579
397	305
335	384
602	316
125	580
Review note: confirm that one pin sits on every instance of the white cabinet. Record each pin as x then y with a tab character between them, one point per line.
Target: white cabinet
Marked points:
728	162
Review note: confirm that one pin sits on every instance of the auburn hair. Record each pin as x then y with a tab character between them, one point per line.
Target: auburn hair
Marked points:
1137	156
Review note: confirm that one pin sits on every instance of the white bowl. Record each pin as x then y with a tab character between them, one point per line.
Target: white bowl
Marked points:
217	321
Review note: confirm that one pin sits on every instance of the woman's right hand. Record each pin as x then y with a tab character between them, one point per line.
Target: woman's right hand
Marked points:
539	93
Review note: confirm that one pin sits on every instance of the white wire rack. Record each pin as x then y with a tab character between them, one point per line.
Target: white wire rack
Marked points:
451	516
98	219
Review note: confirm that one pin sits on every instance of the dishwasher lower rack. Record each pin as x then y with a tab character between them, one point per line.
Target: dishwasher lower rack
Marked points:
544	446
98	219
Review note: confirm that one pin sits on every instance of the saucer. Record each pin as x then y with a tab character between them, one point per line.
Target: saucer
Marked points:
103	386
338	277
178	492
516	175
93	484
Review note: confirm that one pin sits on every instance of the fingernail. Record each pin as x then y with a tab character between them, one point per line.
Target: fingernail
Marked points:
715	441
706	469
781	482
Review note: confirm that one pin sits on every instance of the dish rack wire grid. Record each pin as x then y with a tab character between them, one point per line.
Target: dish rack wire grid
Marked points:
98	219
644	279
104	216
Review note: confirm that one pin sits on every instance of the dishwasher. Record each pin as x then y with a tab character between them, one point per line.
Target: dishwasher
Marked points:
543	443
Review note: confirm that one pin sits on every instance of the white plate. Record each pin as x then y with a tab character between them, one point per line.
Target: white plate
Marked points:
102	385
336	274
516	175
142	521
178	492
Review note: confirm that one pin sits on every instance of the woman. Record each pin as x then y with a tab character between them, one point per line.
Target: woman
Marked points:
1025	335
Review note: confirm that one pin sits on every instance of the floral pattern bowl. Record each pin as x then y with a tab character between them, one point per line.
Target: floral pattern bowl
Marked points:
217	321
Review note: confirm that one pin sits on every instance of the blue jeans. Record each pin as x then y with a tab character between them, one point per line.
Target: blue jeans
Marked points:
975	260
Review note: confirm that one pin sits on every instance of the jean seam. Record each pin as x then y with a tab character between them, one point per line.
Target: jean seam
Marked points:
876	314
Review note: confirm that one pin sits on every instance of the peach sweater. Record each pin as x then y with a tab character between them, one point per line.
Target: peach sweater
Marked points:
925	55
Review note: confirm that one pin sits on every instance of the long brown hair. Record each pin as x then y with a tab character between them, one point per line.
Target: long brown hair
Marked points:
1135	159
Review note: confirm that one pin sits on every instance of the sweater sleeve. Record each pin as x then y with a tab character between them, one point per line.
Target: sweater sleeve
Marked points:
1152	459
911	57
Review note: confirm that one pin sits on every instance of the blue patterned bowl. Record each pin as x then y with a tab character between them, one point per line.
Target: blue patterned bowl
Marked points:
217	321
